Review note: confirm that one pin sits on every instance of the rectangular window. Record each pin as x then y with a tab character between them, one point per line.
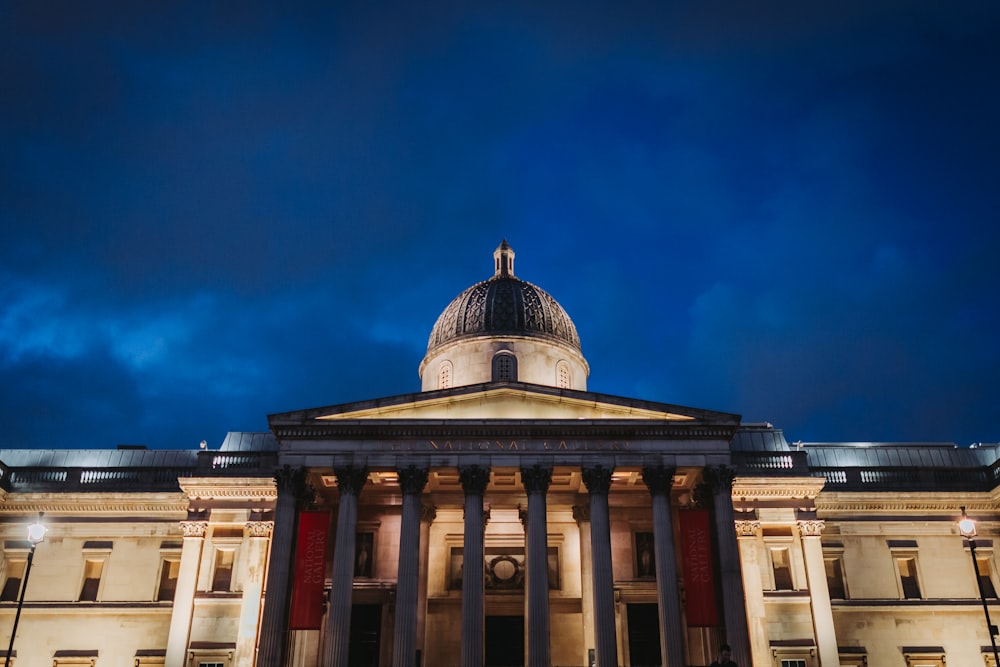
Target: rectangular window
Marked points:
781	566
794	656
985	576
222	575
795	662
835	578
908	581
169	569
12	585
92	571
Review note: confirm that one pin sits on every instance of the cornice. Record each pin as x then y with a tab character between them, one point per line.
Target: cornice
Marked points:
853	502
753	488
260	489
504	428
105	504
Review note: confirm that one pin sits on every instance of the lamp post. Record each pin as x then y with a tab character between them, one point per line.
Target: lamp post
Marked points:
36	533
967	527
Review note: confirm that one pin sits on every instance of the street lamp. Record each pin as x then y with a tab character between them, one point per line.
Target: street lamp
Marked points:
36	533
967	527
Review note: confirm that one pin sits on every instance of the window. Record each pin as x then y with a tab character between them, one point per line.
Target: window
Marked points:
794	656
835	578
781	566
924	656
12	584
222	572
169	569
985	576
909	583
444	375
92	571
853	659
504	367
562	375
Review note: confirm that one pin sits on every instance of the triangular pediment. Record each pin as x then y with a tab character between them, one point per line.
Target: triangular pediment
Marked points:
504	401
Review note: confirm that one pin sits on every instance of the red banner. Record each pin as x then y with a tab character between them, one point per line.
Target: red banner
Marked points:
696	557
310	571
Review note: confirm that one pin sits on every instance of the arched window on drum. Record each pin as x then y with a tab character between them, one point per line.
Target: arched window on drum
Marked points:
445	374
504	367
563	378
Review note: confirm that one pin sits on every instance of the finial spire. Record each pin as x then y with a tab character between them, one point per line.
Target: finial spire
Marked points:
503	260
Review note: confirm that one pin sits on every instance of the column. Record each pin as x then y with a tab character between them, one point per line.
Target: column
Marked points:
474	480
582	515
660	480
258	533
753	588
598	482
536	480
350	480
819	592
412	481
291	483
187	580
427	515
720	479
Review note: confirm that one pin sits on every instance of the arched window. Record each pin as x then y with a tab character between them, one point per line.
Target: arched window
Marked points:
504	367
563	379
444	375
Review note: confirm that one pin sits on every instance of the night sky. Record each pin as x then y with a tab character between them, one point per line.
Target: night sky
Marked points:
216	211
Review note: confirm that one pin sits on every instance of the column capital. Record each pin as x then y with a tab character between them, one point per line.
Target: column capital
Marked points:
412	480
536	479
581	513
259	528
597	479
658	479
194	528
811	527
474	479
428	513
719	478
351	479
747	527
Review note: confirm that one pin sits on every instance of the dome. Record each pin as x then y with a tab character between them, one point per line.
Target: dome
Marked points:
504	306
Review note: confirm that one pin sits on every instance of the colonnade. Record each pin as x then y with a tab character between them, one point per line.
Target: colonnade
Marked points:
474	479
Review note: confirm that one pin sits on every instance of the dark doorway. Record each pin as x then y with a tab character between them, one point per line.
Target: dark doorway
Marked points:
643	635
366	630
504	641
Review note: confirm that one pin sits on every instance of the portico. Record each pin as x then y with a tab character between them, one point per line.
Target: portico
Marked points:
550	510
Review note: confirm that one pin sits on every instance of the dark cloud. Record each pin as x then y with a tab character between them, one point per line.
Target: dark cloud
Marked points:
784	210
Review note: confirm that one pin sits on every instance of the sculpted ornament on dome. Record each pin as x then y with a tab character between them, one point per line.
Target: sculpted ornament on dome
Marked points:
503	305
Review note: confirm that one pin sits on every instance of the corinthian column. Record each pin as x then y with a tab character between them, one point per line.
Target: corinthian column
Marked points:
660	480
536	480
291	483
350	480
412	481
474	481
598	482
720	479
753	587
582	515
187	579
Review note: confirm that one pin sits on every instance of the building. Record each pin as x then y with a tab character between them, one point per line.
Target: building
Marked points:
504	515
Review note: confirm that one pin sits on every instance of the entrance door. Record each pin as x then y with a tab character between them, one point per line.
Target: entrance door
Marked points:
504	641
644	635
366	630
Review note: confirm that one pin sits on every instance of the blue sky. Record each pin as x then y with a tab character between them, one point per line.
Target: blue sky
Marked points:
216	211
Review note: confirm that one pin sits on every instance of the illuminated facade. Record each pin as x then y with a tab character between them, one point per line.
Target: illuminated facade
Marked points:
539	524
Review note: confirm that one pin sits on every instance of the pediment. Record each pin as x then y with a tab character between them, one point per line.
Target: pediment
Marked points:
504	401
